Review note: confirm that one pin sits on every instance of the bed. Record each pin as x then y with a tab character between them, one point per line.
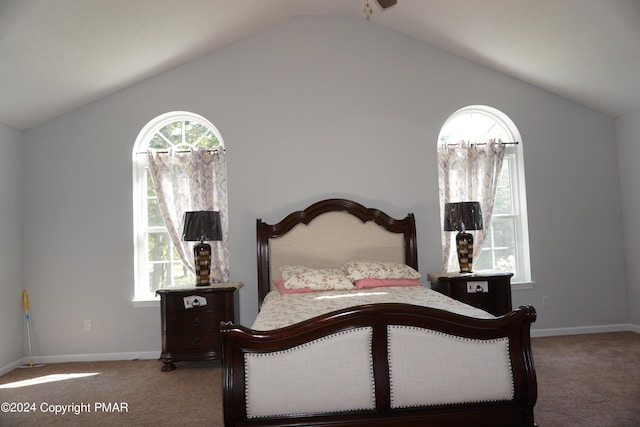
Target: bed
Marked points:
379	354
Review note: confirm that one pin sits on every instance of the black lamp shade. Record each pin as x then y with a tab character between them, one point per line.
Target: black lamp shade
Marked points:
201	226
461	216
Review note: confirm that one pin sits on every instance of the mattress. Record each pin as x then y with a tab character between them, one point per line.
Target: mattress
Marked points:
280	310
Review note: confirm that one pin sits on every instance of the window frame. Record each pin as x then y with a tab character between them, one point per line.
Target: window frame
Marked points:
514	155
142	297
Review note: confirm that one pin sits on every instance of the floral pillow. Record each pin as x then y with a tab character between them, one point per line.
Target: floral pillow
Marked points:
279	284
296	277
358	270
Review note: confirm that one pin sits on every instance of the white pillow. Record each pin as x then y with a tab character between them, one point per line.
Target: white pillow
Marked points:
297	277
358	270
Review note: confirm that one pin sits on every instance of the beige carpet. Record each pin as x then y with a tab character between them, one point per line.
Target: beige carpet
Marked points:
588	380
583	381
190	395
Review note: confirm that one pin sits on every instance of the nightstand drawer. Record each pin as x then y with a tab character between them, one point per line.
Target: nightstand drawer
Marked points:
205	302
489	291
482	301
194	322
192	342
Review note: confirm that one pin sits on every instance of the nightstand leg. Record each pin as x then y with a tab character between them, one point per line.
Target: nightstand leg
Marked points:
167	366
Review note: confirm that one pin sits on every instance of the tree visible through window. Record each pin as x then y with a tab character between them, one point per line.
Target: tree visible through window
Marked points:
157	263
506	246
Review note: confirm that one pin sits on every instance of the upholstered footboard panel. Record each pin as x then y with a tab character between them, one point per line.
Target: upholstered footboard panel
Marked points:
427	367
328	375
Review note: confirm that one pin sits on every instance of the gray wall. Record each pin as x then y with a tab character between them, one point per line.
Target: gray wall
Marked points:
12	330
317	107
628	139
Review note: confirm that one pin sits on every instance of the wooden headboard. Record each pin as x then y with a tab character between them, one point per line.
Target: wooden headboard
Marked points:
329	233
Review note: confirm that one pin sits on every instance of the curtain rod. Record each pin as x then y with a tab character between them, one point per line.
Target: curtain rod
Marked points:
484	143
210	150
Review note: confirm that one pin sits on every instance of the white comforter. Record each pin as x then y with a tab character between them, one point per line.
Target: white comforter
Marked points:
280	310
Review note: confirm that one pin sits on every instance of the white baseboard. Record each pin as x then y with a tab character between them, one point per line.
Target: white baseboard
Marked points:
11	366
93	357
578	330
96	357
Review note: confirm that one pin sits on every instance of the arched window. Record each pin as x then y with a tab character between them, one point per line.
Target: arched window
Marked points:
160	259
506	245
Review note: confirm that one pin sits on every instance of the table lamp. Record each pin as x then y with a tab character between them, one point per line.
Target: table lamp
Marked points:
202	226
460	217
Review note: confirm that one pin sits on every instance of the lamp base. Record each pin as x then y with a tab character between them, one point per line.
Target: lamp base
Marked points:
464	246
202	256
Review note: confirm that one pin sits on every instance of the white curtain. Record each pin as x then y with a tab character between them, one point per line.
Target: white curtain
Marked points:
468	171
193	180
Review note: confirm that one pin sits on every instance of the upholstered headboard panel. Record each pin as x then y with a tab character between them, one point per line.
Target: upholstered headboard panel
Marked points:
329	233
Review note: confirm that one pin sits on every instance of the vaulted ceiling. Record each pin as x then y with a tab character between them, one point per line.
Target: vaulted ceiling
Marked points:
57	55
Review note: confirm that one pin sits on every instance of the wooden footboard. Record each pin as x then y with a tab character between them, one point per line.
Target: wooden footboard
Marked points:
341	369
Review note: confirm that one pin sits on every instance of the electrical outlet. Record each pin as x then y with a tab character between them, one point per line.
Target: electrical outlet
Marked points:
87	326
545	302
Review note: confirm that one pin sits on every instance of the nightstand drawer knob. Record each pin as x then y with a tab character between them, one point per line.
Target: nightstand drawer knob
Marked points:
478	287
196	322
197	341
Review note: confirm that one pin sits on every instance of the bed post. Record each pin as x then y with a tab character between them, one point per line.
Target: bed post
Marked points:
262	240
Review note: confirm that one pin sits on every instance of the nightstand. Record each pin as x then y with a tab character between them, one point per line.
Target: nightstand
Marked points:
191	317
488	290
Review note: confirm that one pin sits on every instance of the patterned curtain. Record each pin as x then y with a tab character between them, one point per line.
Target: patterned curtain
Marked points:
193	180
468	171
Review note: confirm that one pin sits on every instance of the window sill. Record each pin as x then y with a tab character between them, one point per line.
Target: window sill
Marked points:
146	303
521	286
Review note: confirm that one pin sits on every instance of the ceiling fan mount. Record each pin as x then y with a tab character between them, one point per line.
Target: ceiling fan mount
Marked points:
386	3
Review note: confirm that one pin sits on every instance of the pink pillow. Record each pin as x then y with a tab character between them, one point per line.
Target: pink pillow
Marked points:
279	283
378	283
